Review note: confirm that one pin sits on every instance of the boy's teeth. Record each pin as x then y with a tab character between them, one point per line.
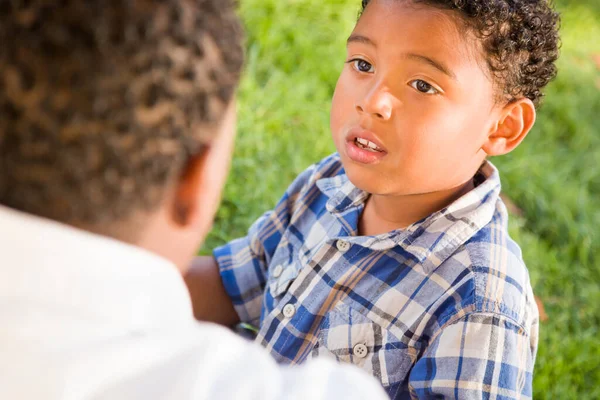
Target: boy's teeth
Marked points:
364	143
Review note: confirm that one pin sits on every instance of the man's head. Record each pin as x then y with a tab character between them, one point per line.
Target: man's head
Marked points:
437	86
118	116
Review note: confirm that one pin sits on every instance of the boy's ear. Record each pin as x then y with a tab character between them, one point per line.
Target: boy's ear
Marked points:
515	122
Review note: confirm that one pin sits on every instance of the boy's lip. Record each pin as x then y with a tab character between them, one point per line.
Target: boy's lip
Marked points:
360	154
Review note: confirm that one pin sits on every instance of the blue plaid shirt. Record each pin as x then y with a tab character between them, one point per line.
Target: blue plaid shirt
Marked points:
443	308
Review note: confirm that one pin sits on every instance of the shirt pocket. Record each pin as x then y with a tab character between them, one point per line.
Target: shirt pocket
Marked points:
350	337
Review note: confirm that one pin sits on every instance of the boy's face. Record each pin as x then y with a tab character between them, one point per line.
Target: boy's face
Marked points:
414	87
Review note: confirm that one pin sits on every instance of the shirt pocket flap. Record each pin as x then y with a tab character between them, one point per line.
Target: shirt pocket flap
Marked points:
283	269
350	337
280	285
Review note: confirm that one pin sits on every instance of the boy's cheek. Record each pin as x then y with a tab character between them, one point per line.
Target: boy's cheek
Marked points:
344	96
337	116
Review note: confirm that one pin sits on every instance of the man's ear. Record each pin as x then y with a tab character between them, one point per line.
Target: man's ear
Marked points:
515	122
197	192
186	201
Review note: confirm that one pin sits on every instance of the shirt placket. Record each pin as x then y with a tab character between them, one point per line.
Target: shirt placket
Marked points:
300	312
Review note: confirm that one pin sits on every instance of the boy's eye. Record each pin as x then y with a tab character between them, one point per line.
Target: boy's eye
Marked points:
423	87
362	65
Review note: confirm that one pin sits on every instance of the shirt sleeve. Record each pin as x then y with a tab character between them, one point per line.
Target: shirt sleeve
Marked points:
482	355
243	262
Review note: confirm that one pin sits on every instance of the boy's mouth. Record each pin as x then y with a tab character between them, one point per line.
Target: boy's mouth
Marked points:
364	147
367	145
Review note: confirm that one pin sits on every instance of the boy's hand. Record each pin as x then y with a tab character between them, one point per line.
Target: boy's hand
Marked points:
210	300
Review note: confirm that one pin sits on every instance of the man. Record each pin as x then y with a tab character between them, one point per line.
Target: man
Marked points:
116	128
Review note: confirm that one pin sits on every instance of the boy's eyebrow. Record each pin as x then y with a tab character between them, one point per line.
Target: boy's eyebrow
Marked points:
436	64
360	39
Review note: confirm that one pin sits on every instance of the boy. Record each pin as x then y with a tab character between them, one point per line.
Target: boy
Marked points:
393	254
117	121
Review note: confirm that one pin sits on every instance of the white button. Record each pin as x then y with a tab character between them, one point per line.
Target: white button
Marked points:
277	271
342	246
360	350
289	310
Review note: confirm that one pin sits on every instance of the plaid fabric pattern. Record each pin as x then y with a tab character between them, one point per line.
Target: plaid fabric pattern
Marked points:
443	308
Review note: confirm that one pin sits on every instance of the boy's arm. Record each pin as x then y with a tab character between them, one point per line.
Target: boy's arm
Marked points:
478	356
209	297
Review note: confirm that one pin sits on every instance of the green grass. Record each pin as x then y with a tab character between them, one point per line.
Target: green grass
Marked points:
295	51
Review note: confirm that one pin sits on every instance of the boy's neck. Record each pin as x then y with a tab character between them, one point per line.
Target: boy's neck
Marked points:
384	214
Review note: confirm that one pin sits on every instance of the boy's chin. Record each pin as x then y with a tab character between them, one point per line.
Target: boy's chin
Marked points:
373	181
366	179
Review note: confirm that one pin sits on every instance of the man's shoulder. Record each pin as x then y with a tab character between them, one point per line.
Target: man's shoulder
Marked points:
196	361
226	366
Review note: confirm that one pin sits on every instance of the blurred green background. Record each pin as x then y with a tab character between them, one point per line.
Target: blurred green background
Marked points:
296	49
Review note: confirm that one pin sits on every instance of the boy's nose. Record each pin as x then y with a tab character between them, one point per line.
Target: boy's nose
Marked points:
377	103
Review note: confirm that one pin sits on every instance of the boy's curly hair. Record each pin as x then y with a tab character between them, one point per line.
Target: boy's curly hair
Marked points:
520	39
102	102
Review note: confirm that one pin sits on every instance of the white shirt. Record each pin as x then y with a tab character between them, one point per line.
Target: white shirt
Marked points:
88	317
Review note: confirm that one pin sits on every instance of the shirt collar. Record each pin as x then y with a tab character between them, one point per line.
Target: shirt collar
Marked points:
342	193
436	237
44	262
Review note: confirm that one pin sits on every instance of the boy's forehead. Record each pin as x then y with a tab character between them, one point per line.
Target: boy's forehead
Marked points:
397	27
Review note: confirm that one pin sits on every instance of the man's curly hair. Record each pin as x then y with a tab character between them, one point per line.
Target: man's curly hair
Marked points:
520	41
102	102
